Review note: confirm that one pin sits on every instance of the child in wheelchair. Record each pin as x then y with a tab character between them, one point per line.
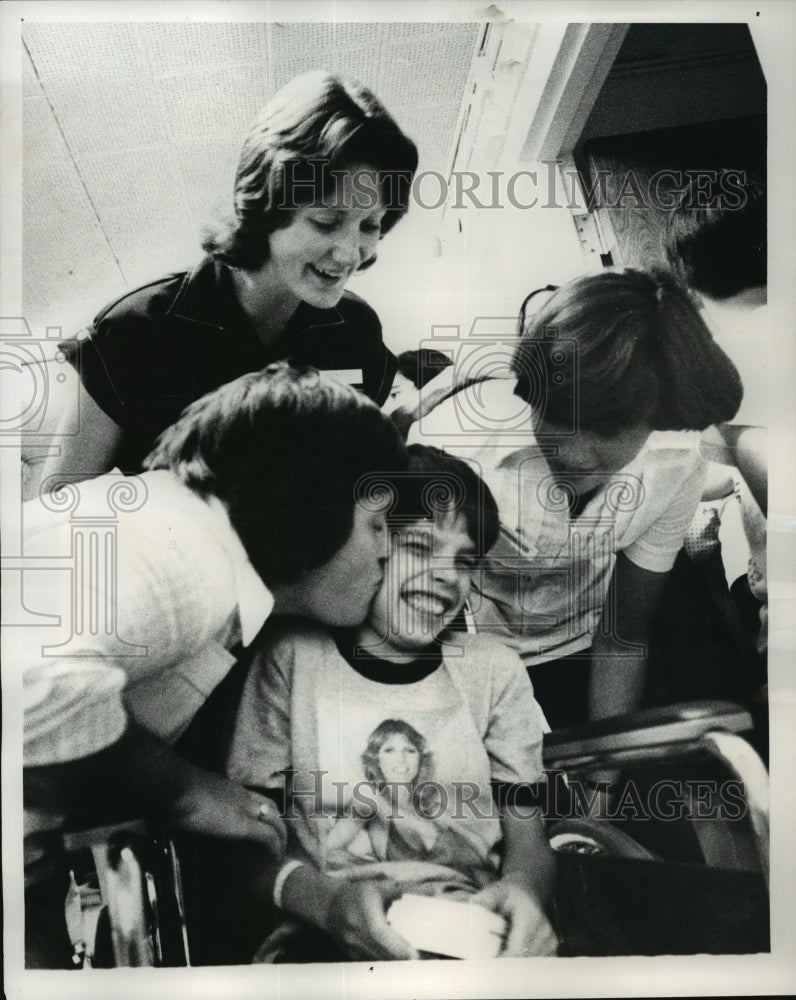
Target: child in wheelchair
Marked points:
388	741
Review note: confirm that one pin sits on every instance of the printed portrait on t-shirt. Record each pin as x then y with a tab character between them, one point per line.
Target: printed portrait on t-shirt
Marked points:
398	812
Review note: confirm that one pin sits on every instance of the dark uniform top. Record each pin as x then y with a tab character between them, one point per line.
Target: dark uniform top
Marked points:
156	349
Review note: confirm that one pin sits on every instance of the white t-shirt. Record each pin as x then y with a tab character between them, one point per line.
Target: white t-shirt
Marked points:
148	586
543	586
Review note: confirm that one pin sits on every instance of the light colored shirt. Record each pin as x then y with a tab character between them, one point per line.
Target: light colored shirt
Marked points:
153	587
305	709
543	586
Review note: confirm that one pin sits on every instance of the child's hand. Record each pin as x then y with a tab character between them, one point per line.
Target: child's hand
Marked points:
528	931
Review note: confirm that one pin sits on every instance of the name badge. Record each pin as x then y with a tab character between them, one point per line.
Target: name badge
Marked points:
351	376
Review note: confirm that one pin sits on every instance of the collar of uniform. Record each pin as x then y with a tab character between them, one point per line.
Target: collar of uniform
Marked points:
254	600
678	440
206	295
307	317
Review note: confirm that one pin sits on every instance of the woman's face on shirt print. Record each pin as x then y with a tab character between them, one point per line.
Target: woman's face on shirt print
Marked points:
399	759
312	258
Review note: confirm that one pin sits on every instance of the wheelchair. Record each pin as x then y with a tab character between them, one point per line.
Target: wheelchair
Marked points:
125	905
661	832
659	822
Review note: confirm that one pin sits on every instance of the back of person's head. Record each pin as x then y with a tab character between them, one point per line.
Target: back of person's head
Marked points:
286	450
438	484
315	126
423	365
613	350
715	237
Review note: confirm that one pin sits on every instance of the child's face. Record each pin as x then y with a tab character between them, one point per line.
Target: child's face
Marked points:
399	759
426	582
403	393
592	458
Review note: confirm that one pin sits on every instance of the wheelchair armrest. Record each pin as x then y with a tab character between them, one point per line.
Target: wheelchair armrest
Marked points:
679	723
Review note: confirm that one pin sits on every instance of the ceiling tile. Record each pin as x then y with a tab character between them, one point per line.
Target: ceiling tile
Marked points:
213	104
431	68
122	114
85	52
153	116
174	48
67	264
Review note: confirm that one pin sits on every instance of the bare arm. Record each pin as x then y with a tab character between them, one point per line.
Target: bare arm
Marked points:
527	855
524	886
88	440
618	670
719	483
141	773
746	449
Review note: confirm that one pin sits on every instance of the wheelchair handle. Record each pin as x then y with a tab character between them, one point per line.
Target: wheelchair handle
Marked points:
679	723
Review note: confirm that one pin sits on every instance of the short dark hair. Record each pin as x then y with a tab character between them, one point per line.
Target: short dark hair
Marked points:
423	365
317	124
716	244
640	352
285	450
437	483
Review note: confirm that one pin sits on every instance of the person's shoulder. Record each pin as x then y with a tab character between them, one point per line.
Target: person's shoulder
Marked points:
150	301
678	441
166	529
285	636
670	452
170	534
480	651
146	495
161	491
491	674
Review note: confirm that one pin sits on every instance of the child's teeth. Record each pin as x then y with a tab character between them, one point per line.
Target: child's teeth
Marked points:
421	602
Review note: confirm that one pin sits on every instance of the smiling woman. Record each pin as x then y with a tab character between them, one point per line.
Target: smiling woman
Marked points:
324	173
313	257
